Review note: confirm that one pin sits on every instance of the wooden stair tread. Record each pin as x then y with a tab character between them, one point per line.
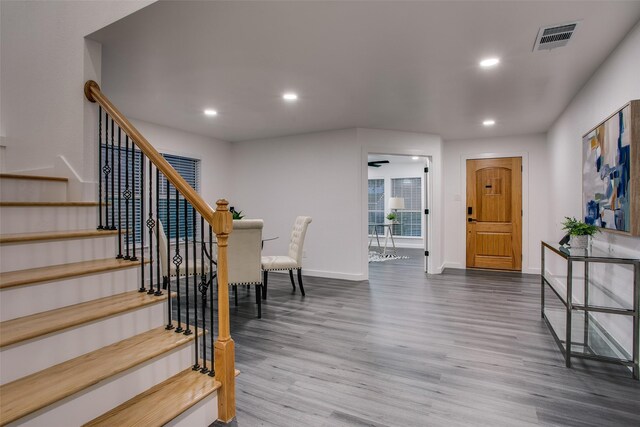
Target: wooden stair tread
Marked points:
63	271
24	328
161	403
47	204
54	235
36	391
33	177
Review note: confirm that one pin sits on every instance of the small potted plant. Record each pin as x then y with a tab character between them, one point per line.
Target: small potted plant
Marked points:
579	232
236	214
392	217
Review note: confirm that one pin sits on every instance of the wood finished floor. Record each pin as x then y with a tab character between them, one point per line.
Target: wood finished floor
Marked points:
409	349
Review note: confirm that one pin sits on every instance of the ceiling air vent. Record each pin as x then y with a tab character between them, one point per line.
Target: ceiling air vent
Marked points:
555	36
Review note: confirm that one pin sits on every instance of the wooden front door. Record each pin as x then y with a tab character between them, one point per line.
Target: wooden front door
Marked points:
494	213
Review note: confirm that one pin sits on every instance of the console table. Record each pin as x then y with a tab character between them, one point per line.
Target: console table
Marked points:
387	230
596	344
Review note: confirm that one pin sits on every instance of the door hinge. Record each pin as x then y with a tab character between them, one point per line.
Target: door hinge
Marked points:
426	170
521	212
426	253
426	211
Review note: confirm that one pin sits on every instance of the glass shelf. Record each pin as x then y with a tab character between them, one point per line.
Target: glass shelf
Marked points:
608	302
593	254
594	343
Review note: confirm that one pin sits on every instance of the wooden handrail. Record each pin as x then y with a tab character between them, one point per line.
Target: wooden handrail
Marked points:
222	224
94	94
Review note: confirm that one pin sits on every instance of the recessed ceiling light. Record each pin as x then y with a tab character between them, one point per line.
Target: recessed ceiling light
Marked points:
415	158
211	113
489	122
489	62
290	96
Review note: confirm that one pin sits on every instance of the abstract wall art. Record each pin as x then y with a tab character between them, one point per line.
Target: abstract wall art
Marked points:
611	172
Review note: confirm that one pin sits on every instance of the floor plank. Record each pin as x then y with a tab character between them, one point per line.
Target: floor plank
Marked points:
406	348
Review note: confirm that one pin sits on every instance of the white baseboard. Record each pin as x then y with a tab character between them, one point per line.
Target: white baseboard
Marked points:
458	266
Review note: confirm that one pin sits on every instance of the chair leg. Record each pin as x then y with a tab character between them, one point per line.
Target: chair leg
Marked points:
165	282
300	281
235	294
259	302
292	282
265	274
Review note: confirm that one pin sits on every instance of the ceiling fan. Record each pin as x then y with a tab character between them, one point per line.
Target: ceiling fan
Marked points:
377	163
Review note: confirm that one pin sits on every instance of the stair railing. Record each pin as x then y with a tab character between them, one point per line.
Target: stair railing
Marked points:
137	198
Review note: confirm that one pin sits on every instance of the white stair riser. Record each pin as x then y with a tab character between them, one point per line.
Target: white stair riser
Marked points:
22	219
31	356
28	190
22	256
204	413
26	300
93	402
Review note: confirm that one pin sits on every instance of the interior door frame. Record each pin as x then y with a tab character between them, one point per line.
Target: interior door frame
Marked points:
428	221
462	219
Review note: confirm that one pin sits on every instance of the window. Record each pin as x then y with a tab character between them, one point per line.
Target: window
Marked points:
188	168
376	201
409	217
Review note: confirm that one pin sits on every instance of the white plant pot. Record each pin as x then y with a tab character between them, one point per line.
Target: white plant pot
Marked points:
579	242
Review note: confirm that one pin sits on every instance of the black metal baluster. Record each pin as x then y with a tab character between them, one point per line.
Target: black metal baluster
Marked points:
100	227
119	193
196	366
158	275
169	299
203	294
212	370
133	202
106	169
177	261
150	224
113	175
186	270
142	284
127	194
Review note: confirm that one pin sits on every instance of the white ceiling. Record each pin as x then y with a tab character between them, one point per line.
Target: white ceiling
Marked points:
392	65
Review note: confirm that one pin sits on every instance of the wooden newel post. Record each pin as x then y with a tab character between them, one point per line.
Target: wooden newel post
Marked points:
224	346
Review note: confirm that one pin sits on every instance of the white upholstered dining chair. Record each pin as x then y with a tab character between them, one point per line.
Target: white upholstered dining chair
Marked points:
169	269
244	256
292	261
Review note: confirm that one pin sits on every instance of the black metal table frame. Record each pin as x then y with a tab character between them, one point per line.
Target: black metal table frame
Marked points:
570	306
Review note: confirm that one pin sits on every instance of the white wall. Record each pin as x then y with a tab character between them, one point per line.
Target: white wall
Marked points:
214	155
45	62
535	187
313	174
401	170
323	175
615	83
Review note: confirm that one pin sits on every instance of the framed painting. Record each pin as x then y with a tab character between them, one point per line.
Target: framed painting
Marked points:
611	172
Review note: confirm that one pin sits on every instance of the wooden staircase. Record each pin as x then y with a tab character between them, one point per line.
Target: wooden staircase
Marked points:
79	344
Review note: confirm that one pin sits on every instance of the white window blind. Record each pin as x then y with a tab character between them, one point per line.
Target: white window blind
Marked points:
410	219
376	201
187	167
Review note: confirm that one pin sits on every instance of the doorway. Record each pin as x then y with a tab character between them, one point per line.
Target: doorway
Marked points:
398	206
494	213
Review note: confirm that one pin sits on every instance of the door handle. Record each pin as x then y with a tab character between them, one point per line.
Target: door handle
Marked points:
472	220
